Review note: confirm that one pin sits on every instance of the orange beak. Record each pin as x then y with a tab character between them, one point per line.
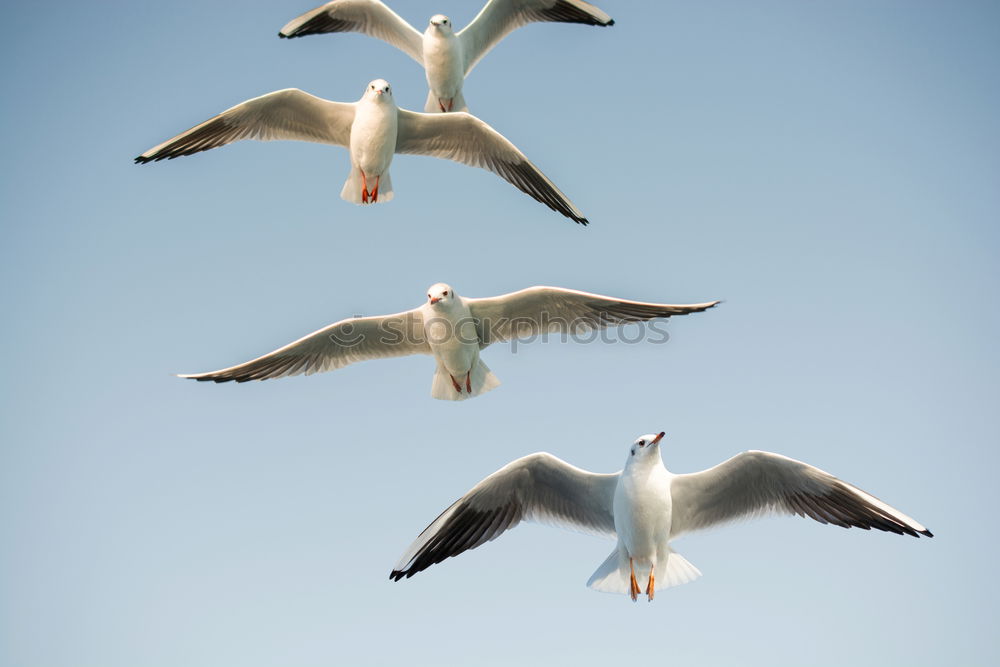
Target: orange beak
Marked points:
435	299
658	438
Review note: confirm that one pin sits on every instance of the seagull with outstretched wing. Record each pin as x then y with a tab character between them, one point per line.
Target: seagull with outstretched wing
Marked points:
447	56
373	129
453	329
645	507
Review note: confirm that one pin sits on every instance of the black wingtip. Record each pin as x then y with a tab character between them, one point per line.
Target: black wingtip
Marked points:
927	533
395	575
609	23
141	160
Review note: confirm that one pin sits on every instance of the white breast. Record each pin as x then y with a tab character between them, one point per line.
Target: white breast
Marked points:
451	333
444	63
642	509
373	136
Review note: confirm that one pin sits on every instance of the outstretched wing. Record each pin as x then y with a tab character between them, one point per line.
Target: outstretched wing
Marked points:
283	114
538	310
500	17
464	138
537	487
370	17
755	483
335	346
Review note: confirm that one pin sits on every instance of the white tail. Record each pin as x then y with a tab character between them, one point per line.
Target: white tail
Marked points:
482	381
613	574
354	186
432	105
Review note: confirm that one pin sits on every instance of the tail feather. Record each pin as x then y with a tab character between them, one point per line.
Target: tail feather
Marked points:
354	186
433	105
613	574
482	381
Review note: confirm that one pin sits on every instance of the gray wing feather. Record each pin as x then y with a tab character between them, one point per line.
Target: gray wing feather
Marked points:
335	346
500	17
757	483
538	487
538	310
370	17
462	137
283	114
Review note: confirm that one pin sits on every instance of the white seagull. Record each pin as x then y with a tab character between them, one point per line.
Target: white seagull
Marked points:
646	507
373	129
453	329
447	56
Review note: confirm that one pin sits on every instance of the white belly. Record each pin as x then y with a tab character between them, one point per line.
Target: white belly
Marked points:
642	513
444	65
453	339
373	138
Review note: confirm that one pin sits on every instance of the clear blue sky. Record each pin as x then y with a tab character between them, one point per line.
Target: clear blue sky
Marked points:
830	169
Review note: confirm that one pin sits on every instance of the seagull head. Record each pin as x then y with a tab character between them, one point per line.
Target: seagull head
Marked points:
441	22
440	294
379	90
646	445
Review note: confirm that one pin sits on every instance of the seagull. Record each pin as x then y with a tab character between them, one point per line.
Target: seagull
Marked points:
645	507
453	329
447	56
373	129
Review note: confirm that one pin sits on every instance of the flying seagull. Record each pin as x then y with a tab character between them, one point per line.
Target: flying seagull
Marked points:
646	507
373	129
453	329
447	56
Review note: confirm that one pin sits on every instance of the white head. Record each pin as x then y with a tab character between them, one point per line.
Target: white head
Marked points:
441	23
645	446
440	295
378	90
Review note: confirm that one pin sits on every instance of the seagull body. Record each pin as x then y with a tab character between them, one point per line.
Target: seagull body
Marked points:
645	507
373	130
447	56
453	329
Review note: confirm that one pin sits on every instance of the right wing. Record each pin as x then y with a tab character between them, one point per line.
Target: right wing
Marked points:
370	17
335	346
283	114
537	487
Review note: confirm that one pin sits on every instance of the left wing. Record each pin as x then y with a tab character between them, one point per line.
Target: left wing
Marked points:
464	138
500	17
538	310
756	483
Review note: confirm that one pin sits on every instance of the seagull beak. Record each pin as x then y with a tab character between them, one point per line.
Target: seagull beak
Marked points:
657	439
435	299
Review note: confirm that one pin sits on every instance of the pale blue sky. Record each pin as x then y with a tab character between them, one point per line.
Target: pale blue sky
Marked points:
830	169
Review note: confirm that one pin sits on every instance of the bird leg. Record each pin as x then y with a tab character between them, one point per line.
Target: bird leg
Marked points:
634	589
455	383
451	103
364	187
374	193
468	381
651	585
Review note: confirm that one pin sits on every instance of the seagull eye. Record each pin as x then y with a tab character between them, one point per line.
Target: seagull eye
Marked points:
445	293
642	443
